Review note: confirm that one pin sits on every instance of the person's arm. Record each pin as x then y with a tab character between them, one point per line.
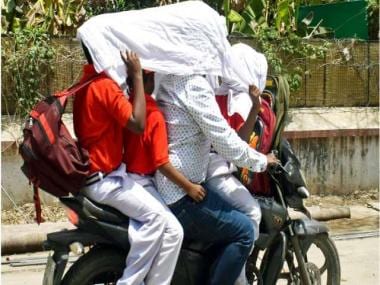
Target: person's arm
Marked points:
136	122
246	129
201	104
195	191
158	142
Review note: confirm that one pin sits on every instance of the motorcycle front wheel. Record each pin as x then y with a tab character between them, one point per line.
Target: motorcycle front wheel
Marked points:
98	266
322	263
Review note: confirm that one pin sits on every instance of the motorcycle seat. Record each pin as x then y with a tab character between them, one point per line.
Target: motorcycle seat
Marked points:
92	209
103	212
196	245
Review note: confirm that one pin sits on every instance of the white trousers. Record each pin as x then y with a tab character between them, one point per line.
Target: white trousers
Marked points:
234	192
154	233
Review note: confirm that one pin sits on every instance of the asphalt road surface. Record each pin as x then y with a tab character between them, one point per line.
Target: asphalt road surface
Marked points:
359	257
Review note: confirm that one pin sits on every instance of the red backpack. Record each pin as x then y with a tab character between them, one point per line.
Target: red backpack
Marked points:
261	139
53	160
267	132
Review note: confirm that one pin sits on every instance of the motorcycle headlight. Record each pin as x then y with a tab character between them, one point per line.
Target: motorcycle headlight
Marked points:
303	192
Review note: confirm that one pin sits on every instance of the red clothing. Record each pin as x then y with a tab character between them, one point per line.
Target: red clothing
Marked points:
235	121
100	113
144	153
260	140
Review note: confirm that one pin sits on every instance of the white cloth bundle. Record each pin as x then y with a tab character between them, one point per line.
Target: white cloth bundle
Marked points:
185	38
248	66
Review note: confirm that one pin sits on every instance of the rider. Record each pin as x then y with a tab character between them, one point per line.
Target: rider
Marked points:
234	104
101	112
194	123
143	155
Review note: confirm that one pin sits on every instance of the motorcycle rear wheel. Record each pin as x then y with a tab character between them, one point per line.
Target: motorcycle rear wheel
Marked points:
98	266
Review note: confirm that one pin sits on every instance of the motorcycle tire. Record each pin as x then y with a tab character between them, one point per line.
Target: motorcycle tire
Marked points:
98	266
331	264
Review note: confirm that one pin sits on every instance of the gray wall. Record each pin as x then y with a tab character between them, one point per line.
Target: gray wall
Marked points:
338	165
14	184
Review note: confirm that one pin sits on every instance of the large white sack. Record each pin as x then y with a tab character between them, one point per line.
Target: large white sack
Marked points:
185	38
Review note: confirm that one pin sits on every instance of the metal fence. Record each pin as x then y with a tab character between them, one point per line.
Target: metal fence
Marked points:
347	76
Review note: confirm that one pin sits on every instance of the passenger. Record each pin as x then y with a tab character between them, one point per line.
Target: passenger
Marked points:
143	155
101	112
219	176
194	122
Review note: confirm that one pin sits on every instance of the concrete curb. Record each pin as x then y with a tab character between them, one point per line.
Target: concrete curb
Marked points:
28	237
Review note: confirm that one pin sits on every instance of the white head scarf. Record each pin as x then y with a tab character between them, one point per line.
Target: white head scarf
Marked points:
248	66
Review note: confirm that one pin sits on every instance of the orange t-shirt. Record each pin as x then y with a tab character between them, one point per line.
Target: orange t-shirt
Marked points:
144	153
100	113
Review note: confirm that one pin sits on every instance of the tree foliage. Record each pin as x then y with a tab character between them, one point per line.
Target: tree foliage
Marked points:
96	7
61	17
27	60
273	27
271	23
373	19
55	17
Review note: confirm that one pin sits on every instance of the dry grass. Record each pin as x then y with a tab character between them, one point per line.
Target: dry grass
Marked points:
26	214
357	198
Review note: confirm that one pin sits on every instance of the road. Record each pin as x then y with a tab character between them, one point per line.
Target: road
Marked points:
359	259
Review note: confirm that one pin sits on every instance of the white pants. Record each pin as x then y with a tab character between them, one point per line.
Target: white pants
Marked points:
234	192
154	233
231	189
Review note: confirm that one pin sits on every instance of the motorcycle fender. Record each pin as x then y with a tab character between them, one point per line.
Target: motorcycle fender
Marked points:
49	271
307	227
62	240
59	243
274	261
55	268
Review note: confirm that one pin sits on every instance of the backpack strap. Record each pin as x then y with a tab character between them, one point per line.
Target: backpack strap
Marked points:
37	204
36	197
76	87
62	95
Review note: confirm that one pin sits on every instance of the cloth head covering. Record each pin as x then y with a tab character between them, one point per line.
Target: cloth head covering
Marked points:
248	66
182	39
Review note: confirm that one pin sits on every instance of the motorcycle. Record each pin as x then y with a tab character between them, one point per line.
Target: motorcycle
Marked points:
285	252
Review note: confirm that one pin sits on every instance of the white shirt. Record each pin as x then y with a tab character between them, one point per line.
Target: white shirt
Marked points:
194	122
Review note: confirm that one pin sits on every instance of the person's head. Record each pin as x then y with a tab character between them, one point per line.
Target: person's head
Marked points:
148	79
87	54
248	64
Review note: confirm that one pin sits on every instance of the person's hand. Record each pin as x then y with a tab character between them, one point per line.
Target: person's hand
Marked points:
272	159
132	61
196	192
254	94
